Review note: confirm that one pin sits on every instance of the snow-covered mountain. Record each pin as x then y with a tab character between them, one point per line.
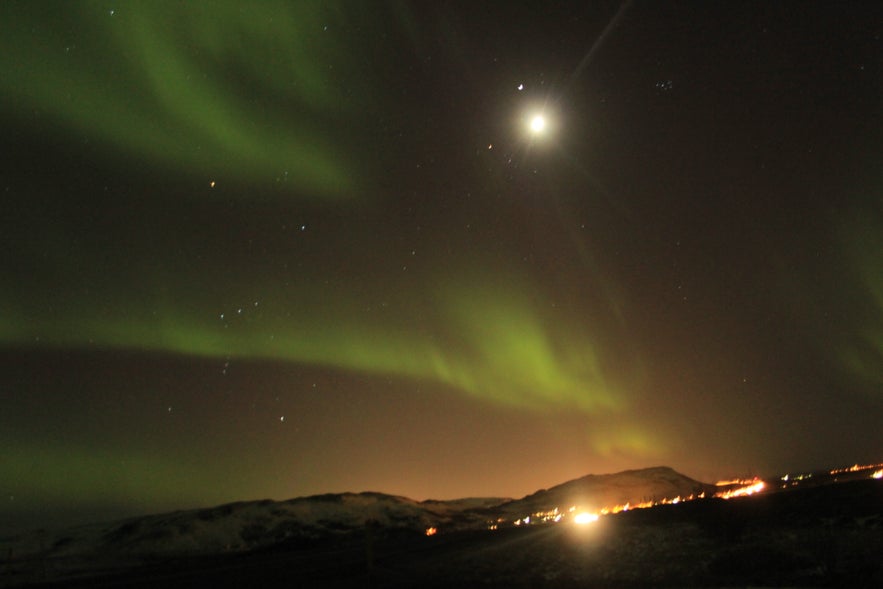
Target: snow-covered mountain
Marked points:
778	538
257	525
253	525
232	528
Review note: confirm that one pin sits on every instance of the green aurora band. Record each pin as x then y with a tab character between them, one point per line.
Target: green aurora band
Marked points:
165	92
158	80
228	119
863	355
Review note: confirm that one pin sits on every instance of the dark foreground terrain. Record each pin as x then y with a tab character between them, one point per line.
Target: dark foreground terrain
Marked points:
830	535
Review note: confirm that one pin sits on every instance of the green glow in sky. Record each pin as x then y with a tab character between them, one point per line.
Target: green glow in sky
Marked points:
256	96
220	91
73	474
862	354
478	338
301	237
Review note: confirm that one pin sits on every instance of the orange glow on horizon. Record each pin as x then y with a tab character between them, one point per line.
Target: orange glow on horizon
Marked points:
585	518
736	482
746	487
755	487
855	468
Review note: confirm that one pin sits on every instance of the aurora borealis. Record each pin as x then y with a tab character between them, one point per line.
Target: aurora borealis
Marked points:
284	248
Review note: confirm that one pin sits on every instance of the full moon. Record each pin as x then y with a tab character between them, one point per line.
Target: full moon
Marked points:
537	124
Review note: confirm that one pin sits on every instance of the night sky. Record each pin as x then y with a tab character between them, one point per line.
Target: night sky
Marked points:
272	249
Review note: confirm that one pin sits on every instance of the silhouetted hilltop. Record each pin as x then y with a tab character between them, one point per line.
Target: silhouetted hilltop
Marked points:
595	492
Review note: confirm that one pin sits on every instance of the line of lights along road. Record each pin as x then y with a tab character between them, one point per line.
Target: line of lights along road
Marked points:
729	489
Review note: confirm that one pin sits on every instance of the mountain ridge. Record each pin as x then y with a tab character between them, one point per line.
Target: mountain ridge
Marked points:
243	526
